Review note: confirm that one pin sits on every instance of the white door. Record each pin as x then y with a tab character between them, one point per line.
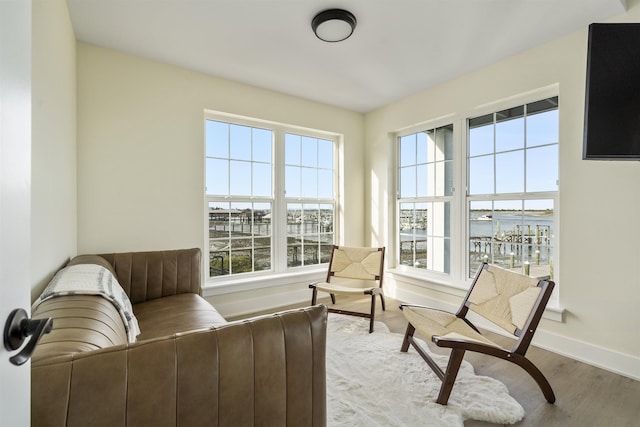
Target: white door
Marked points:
15	195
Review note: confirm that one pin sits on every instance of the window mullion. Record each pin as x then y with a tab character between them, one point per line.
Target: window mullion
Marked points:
279	204
458	207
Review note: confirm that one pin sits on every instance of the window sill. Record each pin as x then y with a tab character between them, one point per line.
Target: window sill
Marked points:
446	285
441	283
230	285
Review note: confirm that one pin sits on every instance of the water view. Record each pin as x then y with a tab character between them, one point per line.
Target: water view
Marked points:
521	240
240	236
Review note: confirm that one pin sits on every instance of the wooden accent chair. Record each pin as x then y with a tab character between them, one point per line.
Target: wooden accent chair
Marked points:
353	271
510	300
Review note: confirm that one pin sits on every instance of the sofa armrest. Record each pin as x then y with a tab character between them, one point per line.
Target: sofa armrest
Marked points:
268	370
148	275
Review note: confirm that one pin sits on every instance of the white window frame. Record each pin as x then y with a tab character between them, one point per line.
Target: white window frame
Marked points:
422	199
279	274
457	282
512	102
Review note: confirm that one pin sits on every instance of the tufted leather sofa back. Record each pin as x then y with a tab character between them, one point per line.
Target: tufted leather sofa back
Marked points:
266	371
149	275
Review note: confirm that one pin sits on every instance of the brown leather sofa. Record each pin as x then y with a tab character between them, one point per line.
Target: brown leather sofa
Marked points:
188	366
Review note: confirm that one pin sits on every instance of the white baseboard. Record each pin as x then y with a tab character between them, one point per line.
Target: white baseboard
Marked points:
591	354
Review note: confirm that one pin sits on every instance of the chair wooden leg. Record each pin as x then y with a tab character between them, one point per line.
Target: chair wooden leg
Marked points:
408	333
333	298
382	301
314	296
455	360
538	376
373	312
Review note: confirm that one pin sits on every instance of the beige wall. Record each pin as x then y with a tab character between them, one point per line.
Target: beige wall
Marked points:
141	149
599	248
53	144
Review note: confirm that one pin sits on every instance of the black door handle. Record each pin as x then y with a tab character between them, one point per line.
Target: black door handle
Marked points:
19	327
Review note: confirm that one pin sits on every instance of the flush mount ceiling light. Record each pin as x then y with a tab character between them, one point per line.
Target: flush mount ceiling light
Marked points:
333	25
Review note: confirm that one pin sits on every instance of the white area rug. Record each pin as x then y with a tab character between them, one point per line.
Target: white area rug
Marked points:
371	383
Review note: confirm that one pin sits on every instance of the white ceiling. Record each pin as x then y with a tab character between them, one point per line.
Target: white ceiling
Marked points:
399	47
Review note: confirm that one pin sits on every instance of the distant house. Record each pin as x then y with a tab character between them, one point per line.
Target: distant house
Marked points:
242	216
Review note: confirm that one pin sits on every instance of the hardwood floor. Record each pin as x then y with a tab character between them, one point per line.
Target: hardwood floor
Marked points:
586	396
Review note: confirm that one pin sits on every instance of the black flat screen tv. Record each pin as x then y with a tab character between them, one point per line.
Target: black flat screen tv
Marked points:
612	101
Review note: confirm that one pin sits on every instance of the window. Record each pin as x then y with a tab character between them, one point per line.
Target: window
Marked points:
425	177
512	187
259	207
506	216
309	198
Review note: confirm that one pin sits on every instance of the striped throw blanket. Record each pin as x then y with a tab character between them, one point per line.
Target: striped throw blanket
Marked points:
92	279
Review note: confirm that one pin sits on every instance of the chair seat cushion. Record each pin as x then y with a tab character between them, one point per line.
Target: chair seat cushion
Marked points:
177	313
430	322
